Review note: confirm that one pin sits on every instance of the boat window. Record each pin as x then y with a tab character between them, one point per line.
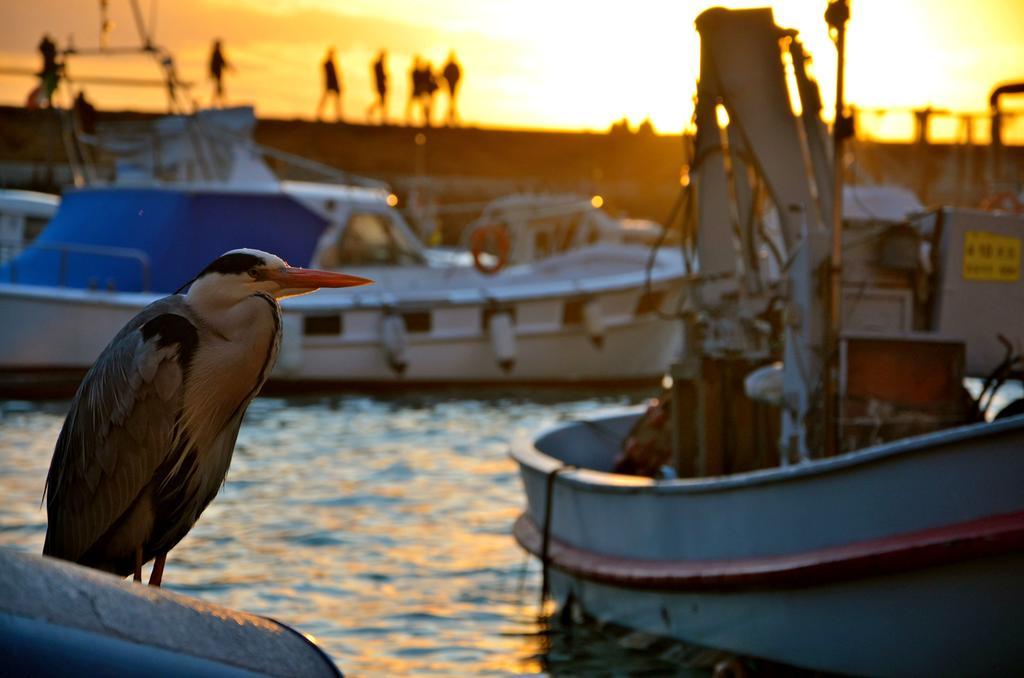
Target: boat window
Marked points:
567	235
649	302
541	244
572	312
34	226
417	321
370	240
322	325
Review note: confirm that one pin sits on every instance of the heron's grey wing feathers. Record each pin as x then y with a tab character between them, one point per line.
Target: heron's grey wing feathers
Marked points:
185	494
120	428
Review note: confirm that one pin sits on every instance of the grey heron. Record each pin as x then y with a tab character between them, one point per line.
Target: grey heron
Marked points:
148	439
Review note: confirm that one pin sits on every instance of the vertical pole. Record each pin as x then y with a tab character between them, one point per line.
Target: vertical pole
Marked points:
686	376
837	14
418	195
140	26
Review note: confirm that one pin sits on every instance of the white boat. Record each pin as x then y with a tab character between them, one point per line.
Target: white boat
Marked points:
23	214
191	187
539	225
902	559
832	501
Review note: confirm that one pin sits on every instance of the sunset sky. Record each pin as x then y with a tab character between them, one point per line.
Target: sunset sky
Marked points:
562	64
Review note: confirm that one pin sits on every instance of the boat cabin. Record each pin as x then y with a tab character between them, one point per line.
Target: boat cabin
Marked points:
185	189
539	225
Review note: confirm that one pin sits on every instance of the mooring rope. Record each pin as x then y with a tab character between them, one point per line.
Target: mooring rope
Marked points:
545	588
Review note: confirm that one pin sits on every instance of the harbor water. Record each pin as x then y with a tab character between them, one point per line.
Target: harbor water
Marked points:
381	525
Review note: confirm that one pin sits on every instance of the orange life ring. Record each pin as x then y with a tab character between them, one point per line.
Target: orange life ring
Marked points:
1003	202
484	235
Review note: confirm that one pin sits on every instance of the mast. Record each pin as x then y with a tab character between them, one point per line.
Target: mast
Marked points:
837	14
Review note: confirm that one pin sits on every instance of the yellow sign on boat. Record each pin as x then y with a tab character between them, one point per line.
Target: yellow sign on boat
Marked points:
988	256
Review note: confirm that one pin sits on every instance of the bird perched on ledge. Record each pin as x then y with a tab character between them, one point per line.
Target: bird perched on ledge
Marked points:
149	437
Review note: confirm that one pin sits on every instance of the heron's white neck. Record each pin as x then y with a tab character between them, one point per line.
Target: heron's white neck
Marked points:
238	343
228	308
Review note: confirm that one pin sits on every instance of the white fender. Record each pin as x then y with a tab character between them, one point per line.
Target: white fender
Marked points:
394	341
593	320
289	355
765	385
503	340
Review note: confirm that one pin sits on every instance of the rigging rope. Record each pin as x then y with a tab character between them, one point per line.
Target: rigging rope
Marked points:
545	588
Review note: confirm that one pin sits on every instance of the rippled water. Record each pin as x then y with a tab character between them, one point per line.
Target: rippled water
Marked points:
379	525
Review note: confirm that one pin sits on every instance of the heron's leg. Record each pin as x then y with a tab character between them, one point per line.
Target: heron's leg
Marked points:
158	570
138	563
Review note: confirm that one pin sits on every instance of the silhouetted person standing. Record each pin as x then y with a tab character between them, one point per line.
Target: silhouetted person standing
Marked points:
427	88
415	88
332	87
451	75
85	113
218	64
50	74
380	81
170	80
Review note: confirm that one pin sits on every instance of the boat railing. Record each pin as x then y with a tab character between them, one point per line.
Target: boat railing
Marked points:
205	150
318	168
67	248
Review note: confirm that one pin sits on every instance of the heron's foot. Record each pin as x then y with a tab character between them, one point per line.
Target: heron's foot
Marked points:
157	575
138	564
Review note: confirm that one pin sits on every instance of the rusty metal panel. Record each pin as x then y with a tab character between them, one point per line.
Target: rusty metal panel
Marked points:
892	387
905	372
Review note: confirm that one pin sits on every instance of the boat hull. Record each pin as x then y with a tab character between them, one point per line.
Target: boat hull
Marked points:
902	559
332	340
959	619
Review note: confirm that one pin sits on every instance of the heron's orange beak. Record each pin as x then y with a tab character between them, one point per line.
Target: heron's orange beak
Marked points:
311	279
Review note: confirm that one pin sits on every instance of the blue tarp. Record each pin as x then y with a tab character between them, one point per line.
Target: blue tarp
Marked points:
179	231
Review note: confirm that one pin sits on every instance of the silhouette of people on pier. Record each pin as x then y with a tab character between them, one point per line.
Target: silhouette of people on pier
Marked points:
332	87
49	76
380	81
218	64
85	113
430	86
171	81
451	74
421	94
415	88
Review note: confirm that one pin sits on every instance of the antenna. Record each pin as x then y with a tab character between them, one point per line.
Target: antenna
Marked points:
837	14
106	25
152	19
140	26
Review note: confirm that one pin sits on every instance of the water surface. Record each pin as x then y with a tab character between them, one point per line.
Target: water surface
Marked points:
380	525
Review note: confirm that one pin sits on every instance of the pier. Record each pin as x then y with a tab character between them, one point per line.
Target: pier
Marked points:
636	173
